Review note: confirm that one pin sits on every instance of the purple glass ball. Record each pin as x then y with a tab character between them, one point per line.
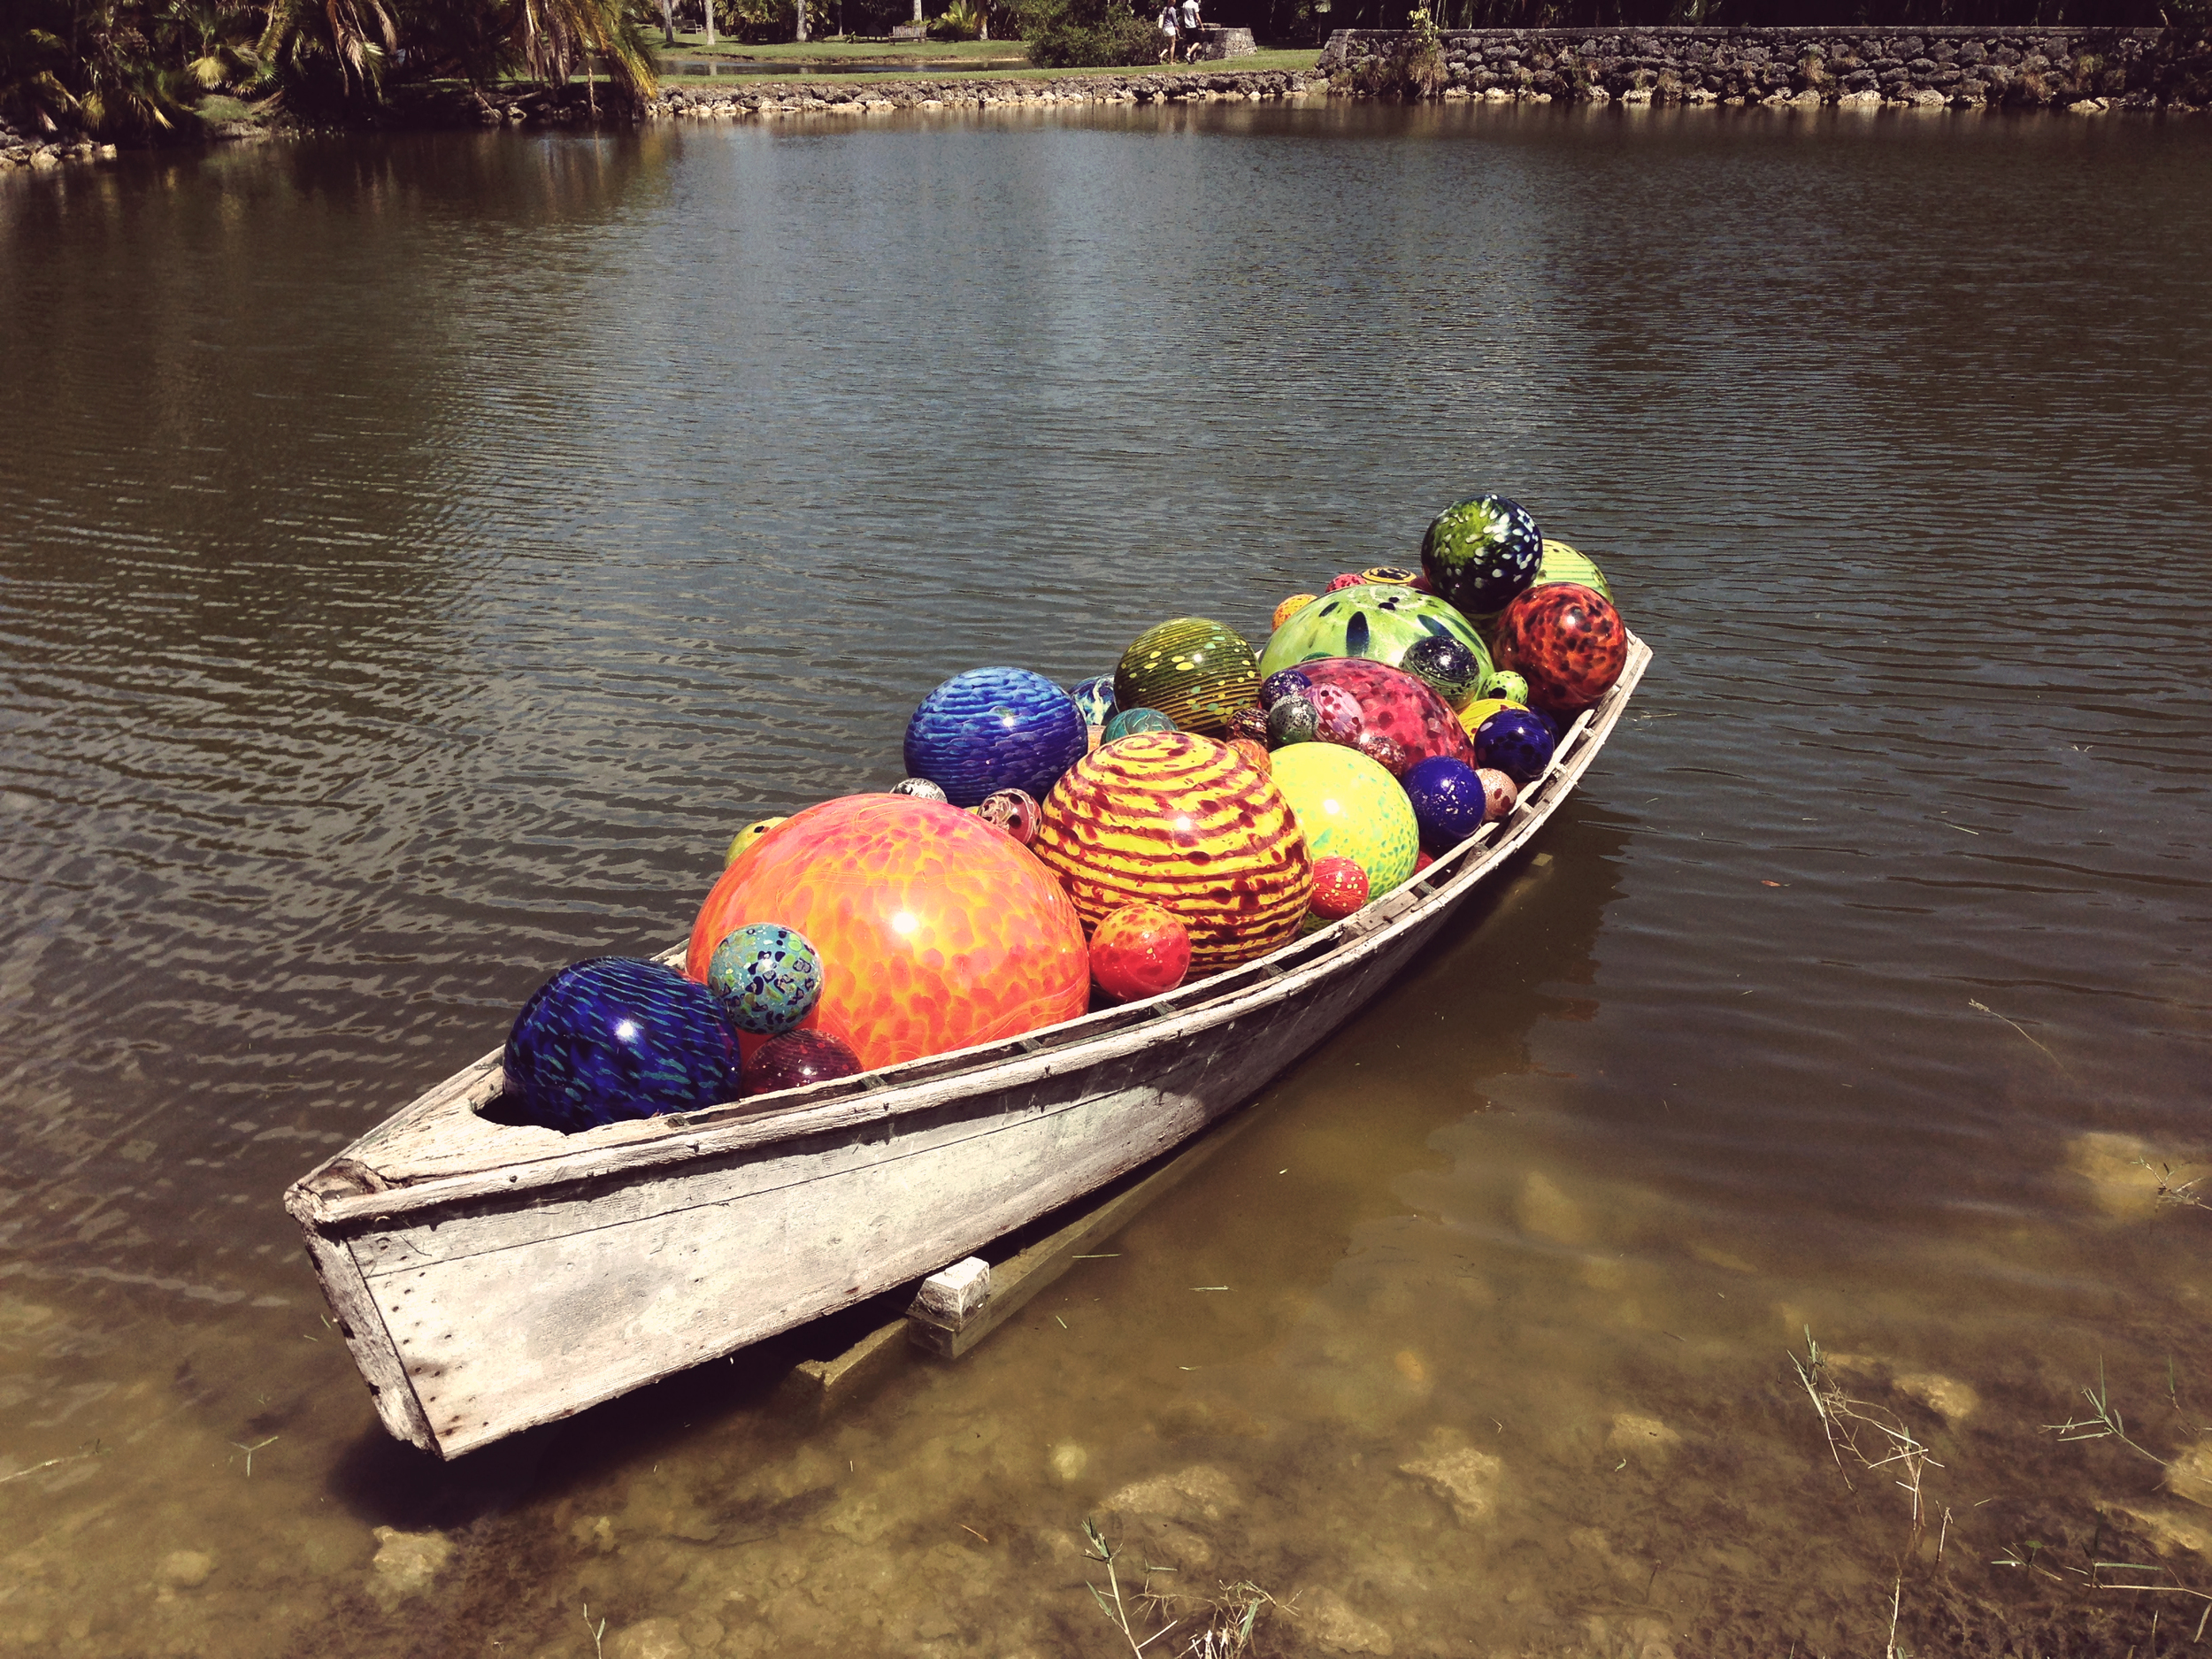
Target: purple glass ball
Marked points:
1516	741
1449	802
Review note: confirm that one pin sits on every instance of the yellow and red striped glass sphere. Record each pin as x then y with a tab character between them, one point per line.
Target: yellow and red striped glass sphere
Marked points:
1186	823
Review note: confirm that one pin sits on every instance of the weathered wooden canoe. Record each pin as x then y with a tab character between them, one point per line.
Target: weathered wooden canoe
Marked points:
488	1278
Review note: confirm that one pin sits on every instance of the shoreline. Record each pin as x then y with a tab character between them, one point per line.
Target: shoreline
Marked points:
1957	69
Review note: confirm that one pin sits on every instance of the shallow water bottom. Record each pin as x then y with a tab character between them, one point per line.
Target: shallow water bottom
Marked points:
1414	1368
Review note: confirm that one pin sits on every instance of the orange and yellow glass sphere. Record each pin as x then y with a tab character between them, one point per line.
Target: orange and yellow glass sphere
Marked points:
936	931
1187	824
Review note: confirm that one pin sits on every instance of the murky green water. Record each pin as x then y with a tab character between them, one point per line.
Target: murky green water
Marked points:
416	558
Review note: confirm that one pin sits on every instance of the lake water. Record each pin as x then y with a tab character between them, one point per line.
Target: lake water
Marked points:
418	556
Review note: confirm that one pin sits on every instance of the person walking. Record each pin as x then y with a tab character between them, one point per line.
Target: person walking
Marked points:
1168	23
1190	29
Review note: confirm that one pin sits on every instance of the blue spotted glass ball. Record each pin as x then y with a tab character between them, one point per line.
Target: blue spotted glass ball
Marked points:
1516	741
995	728
1282	684
1481	552
1094	699
1129	722
1449	802
769	978
615	1038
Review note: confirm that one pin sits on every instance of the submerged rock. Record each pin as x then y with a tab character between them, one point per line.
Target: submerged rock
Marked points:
1330	1622
1466	1479
1199	1492
406	1563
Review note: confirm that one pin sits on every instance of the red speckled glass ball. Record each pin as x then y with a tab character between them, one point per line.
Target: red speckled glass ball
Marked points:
1348	579
935	930
1401	720
1567	642
1340	888
1139	950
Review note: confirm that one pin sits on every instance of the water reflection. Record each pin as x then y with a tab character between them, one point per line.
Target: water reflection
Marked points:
416	558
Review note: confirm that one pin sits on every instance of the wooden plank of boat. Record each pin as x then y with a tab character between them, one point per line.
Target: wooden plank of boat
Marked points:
488	1278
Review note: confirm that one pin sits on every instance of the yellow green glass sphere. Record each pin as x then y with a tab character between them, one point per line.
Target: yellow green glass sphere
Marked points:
1349	806
1196	673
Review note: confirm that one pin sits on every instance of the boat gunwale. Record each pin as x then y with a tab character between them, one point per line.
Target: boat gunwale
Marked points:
931	1082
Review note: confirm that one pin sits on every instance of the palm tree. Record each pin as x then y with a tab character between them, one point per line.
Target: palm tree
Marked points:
305	40
554	38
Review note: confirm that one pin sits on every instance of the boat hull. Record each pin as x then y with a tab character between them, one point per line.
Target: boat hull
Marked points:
482	1294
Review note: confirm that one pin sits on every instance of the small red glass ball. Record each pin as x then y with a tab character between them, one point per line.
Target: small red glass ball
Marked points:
1139	950
1340	888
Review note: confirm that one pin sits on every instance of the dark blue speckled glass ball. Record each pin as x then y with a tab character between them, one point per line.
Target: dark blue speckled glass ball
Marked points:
1094	699
1282	684
1448	801
1479	553
615	1038
1517	742
995	728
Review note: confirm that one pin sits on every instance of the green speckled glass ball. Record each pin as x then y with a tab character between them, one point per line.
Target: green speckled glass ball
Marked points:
1562	564
1198	674
1374	620
1481	552
1507	683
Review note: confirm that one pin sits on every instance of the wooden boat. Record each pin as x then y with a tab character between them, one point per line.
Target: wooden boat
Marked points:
488	1278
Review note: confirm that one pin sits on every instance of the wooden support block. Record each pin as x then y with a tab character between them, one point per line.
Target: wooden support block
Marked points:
1014	1281
815	1387
953	1297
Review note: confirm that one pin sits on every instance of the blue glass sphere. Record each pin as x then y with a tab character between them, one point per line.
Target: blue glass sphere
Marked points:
1094	699
1517	741
1281	684
995	728
1129	722
614	1039
769	978
1448	801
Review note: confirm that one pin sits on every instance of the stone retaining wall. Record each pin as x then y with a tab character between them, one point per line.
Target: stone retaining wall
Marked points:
882	96
2084	70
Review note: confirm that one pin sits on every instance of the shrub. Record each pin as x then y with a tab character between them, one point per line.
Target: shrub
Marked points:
1084	34
1415	69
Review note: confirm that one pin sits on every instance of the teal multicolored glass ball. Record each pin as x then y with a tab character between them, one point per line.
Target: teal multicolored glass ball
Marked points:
1129	722
769	978
1481	552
